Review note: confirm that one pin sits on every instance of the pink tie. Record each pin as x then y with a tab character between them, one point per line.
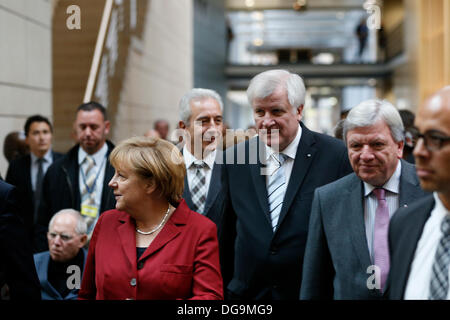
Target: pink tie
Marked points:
381	247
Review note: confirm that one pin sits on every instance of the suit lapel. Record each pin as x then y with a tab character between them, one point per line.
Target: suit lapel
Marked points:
169	232
355	215
215	185
303	159
259	180
28	177
187	193
409	185
127	239
409	245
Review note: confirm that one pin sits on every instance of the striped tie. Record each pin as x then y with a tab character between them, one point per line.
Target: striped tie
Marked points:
439	275
276	188
88	198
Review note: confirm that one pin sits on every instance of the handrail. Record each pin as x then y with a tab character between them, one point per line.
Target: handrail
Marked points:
98	50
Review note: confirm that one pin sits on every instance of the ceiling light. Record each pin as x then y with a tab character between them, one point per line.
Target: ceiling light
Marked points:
249	3
258	42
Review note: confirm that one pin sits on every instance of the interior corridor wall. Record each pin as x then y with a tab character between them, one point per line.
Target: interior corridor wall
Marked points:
159	69
25	65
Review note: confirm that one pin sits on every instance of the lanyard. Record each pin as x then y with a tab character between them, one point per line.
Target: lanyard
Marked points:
90	190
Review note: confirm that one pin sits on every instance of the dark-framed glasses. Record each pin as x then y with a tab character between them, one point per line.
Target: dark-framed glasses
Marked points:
433	140
64	237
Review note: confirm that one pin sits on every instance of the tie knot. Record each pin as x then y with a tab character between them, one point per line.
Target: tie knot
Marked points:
445	226
90	161
379	193
281	157
199	164
40	160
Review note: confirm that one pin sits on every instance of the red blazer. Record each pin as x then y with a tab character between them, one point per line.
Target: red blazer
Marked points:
182	262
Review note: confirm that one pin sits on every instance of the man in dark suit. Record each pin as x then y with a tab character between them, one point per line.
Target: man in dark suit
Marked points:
270	180
79	180
347	254
201	119
16	259
27	173
419	236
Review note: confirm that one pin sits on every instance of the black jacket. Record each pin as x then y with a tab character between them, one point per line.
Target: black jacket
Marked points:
61	190
16	260
19	175
267	264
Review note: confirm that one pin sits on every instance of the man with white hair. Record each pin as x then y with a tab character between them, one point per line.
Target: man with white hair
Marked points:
200	112
60	269
270	180
347	254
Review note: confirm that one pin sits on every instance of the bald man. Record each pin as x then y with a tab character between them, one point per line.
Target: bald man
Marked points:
419	236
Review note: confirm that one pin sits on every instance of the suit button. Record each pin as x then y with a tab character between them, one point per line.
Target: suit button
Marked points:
133	282
273	252
140	265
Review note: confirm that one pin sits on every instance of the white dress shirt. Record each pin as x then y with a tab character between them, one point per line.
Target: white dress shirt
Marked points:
290	152
418	284
100	164
189	159
48	160
392	187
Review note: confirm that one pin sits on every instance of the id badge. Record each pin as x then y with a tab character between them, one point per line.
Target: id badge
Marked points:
89	211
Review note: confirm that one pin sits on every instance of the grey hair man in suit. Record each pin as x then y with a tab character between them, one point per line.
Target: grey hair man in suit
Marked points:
347	254
419	236
270	180
200	112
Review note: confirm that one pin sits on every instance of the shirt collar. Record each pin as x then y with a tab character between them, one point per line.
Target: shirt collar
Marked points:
189	158
98	156
392	185
291	150
439	207
47	156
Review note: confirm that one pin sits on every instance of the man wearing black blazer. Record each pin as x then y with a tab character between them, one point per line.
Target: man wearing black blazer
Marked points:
347	233
24	173
16	259
270	182
79	180
419	236
201	119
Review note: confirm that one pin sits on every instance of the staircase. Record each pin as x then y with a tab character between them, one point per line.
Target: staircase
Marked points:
72	58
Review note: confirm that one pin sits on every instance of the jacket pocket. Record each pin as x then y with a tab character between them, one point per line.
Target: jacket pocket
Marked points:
177	268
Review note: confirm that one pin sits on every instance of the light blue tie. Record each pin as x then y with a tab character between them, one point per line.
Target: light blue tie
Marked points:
276	188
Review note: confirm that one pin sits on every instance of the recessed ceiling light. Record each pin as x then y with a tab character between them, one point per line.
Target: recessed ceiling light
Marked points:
249	3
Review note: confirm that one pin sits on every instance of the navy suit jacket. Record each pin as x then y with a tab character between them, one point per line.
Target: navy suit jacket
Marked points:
19	175
267	264
16	258
337	254
48	292
405	230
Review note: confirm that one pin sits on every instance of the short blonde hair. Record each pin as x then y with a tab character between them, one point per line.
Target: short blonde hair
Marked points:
155	159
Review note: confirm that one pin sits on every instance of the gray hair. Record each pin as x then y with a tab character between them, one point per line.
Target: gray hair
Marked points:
81	227
265	83
368	112
184	106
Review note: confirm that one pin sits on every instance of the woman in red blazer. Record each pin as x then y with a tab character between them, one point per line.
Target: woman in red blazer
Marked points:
152	246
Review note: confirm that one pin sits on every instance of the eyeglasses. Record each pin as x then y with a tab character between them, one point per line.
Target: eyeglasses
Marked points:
64	237
433	140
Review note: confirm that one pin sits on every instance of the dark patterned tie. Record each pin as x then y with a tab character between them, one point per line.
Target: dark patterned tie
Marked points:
38	189
439	272
198	190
